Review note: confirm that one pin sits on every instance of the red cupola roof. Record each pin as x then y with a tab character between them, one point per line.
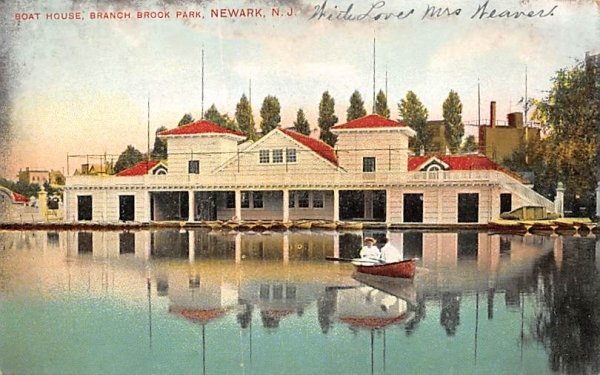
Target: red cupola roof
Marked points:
200	127
373	121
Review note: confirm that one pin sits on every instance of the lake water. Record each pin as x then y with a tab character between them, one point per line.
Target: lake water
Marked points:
199	302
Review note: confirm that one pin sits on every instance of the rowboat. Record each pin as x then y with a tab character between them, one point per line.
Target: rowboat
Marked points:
403	269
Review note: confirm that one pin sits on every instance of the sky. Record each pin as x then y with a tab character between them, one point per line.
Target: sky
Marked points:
76	87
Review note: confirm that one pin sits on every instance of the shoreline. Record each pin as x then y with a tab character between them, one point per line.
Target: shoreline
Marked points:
510	227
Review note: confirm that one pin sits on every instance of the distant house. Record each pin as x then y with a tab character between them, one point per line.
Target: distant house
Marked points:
498	141
34	176
56	178
212	173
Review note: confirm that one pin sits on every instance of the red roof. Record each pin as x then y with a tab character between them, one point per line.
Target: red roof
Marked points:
321	148
370	122
200	127
461	163
18	198
139	169
199	316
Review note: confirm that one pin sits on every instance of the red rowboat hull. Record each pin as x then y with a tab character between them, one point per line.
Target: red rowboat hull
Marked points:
404	269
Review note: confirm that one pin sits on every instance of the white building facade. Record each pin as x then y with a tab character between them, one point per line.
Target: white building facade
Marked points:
211	173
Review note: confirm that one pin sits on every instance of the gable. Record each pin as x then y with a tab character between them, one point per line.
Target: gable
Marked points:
427	163
278	143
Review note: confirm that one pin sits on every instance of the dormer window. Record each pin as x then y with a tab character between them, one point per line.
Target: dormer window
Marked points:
278	156
160	170
263	157
291	155
434	168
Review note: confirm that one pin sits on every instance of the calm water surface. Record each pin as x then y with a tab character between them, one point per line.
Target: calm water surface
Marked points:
198	302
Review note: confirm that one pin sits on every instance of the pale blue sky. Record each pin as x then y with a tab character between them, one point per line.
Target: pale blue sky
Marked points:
82	86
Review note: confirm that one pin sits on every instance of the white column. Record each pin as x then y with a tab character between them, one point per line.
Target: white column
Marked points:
336	205
147	201
191	205
65	204
559	199
286	205
238	205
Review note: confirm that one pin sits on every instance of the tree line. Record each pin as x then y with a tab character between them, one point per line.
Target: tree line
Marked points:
412	113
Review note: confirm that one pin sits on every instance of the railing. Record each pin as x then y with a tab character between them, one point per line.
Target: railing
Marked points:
526	193
283	179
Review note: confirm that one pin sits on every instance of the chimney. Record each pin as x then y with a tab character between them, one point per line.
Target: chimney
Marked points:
492	114
482	143
515	120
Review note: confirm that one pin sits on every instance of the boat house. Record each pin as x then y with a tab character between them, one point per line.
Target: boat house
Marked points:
212	173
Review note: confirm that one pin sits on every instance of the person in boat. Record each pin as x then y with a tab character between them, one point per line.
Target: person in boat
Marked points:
389	252
370	251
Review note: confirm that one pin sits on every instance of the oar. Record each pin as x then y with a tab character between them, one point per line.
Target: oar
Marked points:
367	261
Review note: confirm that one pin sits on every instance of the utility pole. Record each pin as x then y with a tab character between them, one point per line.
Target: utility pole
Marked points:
373	75
202	115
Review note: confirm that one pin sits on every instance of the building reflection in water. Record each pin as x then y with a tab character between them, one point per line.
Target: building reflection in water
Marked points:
555	276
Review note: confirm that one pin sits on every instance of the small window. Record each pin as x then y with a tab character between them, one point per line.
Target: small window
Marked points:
257	199
368	164
263	156
317	199
434	168
230	199
292	199
303	199
245	199
277	156
194	166
291	155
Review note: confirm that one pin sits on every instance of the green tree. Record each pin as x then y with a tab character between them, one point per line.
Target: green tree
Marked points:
301	124
213	115
469	145
186	119
270	114
357	107
27	190
414	115
230	123
381	105
454	129
128	158
245	118
327	118
571	113
159	151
